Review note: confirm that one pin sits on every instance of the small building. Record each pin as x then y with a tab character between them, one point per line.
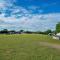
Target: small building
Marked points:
57	36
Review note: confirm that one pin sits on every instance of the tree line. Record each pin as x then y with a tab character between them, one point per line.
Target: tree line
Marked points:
6	31
57	30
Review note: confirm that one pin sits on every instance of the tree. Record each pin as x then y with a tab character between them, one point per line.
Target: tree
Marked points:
28	32
48	31
4	31
21	30
58	27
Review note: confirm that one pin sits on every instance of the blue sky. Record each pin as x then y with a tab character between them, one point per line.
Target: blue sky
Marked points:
34	15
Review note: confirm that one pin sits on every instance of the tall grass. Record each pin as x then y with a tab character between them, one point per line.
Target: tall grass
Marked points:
27	47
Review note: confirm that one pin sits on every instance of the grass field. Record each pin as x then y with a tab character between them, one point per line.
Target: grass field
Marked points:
27	47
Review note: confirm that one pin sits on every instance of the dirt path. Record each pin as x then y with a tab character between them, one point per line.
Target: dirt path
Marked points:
57	46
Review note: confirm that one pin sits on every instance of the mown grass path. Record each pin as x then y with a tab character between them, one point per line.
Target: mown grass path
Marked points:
57	46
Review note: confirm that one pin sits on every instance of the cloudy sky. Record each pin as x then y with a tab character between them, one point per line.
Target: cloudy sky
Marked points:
34	15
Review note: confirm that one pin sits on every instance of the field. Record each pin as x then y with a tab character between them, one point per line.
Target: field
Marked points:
28	47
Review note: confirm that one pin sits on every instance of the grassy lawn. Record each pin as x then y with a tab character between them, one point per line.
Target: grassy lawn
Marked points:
27	47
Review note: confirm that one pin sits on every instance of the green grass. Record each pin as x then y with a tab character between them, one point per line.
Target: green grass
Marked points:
27	47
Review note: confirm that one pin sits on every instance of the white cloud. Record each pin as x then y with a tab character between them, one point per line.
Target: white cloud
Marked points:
27	20
2	3
35	22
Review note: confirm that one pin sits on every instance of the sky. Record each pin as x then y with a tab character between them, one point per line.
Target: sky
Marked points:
32	15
